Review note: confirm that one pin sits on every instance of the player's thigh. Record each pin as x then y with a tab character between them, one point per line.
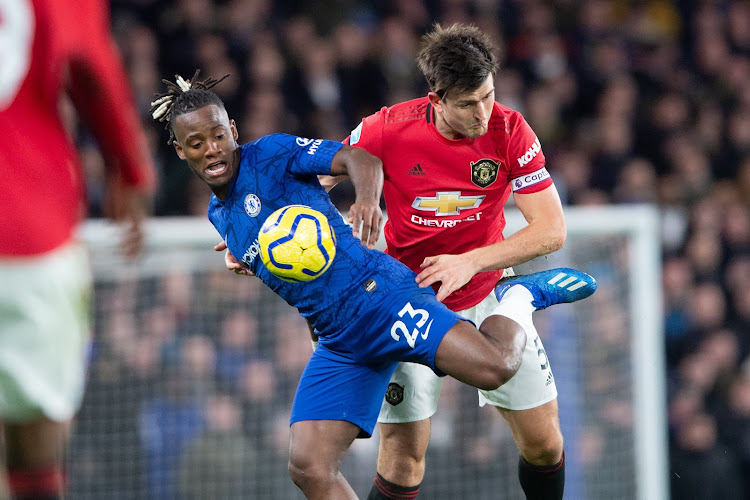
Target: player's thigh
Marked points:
44	334
536	431
412	395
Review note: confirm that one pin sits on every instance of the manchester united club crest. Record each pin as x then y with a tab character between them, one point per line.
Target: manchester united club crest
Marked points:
394	394
484	172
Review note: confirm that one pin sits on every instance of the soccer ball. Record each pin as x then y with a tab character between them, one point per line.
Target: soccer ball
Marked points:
297	243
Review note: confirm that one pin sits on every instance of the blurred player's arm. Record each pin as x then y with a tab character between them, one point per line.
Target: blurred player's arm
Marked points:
545	233
98	87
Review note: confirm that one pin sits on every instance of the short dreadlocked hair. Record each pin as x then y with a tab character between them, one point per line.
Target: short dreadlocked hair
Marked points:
183	96
457	58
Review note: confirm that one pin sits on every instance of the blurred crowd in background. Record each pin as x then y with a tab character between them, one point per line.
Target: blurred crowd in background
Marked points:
639	101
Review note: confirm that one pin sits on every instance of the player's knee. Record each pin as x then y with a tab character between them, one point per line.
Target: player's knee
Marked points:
297	474
543	452
404	469
401	457
503	366
497	374
307	473
508	342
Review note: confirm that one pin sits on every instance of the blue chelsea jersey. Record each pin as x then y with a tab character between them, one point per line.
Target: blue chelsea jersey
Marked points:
279	170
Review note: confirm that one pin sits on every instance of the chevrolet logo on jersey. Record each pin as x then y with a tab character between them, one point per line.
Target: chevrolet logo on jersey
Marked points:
446	202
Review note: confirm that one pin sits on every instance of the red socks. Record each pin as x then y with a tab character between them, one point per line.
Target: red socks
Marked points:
385	490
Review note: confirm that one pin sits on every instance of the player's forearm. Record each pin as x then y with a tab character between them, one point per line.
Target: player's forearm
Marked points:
364	170
538	238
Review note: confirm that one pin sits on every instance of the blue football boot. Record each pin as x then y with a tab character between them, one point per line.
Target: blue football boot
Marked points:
551	287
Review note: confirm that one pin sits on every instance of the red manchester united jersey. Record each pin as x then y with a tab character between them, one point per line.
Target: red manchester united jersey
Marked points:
447	196
47	43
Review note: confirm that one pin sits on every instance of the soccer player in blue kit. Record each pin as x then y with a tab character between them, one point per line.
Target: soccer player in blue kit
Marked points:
367	308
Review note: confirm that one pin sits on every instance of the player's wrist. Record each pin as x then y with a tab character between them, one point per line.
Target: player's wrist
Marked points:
474	261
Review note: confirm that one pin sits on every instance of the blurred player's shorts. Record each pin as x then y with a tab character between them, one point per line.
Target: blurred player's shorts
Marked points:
45	325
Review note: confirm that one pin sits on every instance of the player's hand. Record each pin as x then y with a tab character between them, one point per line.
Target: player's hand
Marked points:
366	219
232	263
129	207
453	271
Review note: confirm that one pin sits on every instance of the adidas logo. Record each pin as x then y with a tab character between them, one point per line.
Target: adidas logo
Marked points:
571	283
416	170
549	379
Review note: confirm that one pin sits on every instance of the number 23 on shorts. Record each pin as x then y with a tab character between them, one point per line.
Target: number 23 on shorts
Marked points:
399	327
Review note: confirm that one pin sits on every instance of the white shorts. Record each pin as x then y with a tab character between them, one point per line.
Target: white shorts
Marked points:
414	389
45	325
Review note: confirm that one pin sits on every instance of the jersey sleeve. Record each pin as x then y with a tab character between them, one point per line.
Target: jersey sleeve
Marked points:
307	156
99	88
369	134
528	172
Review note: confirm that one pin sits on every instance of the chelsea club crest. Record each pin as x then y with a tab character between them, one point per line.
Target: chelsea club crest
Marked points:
252	205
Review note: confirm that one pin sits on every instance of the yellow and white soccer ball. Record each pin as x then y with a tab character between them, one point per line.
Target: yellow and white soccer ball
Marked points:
297	243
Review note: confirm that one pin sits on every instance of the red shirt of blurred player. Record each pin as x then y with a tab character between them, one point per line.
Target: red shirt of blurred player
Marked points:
54	45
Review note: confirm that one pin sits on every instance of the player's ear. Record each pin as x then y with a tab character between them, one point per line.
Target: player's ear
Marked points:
435	100
179	150
233	127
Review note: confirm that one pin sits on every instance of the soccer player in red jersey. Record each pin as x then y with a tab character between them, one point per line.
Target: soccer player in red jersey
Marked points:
50	47
451	160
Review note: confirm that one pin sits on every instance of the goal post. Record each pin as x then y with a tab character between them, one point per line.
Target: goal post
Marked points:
193	370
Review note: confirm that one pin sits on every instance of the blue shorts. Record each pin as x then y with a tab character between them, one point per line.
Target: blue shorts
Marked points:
349	372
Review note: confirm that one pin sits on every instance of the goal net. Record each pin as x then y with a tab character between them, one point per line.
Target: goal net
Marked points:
193	371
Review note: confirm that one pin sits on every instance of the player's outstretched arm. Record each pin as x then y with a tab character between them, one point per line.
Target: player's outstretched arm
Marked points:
366	173
545	233
98	87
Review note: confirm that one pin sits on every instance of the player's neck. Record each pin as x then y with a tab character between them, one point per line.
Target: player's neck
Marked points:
443	128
